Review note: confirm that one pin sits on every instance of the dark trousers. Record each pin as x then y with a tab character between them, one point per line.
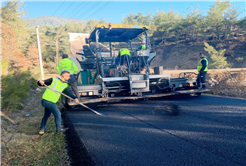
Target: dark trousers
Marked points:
201	79
123	59
73	85
50	107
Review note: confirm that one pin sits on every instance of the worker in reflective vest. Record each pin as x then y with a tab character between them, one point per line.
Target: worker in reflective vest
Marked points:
142	46
124	55
68	65
50	98
202	68
145	58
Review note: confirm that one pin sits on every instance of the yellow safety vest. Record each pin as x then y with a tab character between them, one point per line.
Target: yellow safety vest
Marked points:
143	46
124	51
200	65
66	65
56	85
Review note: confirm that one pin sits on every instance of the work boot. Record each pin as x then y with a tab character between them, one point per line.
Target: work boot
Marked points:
62	130
41	132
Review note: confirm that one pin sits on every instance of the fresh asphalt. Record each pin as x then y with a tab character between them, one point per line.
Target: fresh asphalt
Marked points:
208	131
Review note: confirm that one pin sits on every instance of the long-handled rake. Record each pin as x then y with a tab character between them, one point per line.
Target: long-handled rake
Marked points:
98	113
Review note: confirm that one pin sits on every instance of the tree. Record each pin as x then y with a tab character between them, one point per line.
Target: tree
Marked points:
11	13
217	56
90	25
215	18
241	24
149	19
131	19
230	19
74	27
10	49
102	21
33	55
167	23
59	37
141	19
191	25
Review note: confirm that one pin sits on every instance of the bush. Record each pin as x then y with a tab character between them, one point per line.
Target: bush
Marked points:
50	67
14	89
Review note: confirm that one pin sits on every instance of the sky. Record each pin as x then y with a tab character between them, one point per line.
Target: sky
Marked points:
114	10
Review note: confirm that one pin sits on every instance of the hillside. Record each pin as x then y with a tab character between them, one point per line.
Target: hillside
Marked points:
51	20
185	55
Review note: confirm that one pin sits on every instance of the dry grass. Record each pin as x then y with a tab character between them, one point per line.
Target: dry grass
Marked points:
231	85
20	142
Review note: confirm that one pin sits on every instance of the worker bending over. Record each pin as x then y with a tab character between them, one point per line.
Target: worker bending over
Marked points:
124	56
67	64
50	98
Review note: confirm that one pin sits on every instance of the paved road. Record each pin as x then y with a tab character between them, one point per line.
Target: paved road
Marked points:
209	131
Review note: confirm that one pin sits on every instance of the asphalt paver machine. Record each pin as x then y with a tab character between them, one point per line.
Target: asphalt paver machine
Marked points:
104	80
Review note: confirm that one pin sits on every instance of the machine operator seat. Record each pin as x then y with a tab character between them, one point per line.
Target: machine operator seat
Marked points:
87	52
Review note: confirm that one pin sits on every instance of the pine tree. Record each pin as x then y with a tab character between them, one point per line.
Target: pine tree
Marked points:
217	56
11	13
102	21
60	39
215	17
230	19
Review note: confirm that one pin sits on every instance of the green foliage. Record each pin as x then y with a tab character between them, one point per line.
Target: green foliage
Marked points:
4	66
230	19
50	67
14	89
239	59
220	22
217	56
242	23
215	17
11	13
74	27
90	25
167	23
102	21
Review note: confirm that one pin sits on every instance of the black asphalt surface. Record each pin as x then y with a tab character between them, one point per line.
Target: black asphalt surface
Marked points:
208	131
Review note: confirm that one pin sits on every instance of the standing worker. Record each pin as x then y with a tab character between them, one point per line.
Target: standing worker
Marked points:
67	64
50	99
142	46
124	55
202	69
143	58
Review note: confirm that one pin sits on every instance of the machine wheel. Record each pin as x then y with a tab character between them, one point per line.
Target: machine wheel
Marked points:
111	94
162	83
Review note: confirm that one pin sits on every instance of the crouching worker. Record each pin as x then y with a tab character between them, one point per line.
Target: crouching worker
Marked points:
50	98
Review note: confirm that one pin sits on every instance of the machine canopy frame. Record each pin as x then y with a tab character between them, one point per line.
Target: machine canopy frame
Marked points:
115	34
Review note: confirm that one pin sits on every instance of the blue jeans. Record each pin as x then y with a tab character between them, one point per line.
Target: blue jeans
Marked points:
201	78
50	108
123	59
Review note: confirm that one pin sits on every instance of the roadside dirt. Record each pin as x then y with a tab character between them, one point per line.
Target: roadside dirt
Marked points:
221	82
20	141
